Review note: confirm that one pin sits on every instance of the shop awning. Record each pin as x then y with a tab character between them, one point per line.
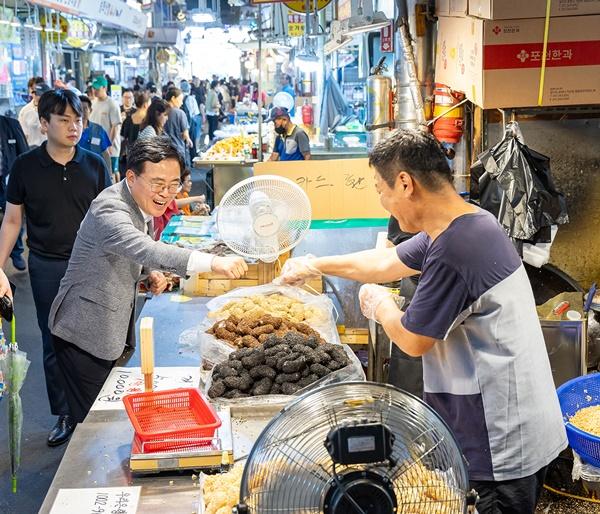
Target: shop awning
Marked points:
109	12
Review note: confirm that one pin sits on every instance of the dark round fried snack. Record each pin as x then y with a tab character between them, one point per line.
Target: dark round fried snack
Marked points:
224	370
305	372
275	389
235	364
271	361
242	352
294	338
271	341
275	349
263	386
292	366
246	383
287	377
255	359
217	389
313	341
233	382
262	371
319	370
230	394
321	357
334	365
289	388
306	381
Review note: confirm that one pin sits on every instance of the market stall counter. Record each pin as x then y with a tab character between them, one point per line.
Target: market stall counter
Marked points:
100	448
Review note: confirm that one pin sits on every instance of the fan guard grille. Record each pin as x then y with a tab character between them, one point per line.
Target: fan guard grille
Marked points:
287	203
288	468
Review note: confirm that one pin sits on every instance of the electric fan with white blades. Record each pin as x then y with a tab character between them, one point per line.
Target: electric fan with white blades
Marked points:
263	216
356	448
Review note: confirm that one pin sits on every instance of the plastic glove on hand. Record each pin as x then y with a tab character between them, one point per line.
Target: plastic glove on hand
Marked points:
296	271
231	267
372	295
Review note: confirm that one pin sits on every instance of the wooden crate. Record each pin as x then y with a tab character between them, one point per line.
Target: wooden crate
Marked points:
213	284
353	336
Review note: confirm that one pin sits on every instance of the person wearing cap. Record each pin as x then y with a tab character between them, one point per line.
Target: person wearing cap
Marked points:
29	119
53	185
107	114
292	143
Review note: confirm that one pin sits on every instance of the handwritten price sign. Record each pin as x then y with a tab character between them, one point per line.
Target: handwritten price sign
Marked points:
337	189
106	500
122	381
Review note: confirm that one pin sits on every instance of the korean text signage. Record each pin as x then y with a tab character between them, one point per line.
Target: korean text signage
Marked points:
105	500
337	189
387	39
295	25
113	12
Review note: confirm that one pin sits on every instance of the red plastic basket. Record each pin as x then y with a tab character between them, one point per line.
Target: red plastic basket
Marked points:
171	420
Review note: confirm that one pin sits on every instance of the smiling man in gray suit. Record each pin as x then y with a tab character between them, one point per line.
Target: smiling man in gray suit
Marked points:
92	312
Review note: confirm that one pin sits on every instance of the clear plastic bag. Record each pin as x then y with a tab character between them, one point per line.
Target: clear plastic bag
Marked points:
350	373
214	351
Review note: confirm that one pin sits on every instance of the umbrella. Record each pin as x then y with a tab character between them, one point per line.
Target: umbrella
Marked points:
14	366
333	107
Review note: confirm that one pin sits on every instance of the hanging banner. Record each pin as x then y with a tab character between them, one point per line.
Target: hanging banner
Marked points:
387	39
295	25
111	12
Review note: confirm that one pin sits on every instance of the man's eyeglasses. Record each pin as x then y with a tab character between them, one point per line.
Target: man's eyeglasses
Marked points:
159	187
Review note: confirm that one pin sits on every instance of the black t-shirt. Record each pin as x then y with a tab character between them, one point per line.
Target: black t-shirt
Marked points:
55	197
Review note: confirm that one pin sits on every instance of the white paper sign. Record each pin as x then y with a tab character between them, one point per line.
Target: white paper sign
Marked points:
122	381
105	500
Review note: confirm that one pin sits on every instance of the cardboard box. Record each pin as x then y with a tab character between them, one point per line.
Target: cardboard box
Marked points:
337	188
498	63
515	9
451	7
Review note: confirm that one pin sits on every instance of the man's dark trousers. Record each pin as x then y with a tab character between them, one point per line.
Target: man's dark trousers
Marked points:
45	275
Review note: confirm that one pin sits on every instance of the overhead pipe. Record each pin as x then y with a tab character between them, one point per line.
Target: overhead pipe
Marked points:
411	68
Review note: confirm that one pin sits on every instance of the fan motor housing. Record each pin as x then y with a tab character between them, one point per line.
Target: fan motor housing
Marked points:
360	443
367	490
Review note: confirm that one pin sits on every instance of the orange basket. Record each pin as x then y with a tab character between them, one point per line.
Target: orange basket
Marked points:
171	420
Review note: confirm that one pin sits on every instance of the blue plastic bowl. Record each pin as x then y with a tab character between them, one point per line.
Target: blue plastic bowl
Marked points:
574	395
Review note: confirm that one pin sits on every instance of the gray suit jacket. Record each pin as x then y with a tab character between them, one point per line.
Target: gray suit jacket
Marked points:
96	296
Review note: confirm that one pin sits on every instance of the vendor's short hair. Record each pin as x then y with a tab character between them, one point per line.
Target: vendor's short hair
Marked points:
152	149
416	152
56	101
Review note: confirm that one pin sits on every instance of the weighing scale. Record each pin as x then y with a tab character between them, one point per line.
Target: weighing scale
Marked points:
215	454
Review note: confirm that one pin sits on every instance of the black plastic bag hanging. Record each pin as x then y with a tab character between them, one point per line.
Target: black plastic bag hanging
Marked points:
515	184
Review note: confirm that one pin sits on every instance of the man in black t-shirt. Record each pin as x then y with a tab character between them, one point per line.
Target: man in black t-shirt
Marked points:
54	186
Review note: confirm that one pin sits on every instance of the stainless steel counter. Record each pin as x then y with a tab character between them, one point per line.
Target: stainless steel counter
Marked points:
98	453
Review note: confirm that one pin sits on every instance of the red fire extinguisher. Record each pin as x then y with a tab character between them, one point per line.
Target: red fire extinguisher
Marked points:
307	113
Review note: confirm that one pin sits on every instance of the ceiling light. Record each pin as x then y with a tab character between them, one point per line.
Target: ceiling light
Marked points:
360	24
336	44
307	61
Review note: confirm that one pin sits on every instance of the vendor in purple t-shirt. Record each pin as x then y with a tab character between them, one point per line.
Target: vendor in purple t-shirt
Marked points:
472	318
